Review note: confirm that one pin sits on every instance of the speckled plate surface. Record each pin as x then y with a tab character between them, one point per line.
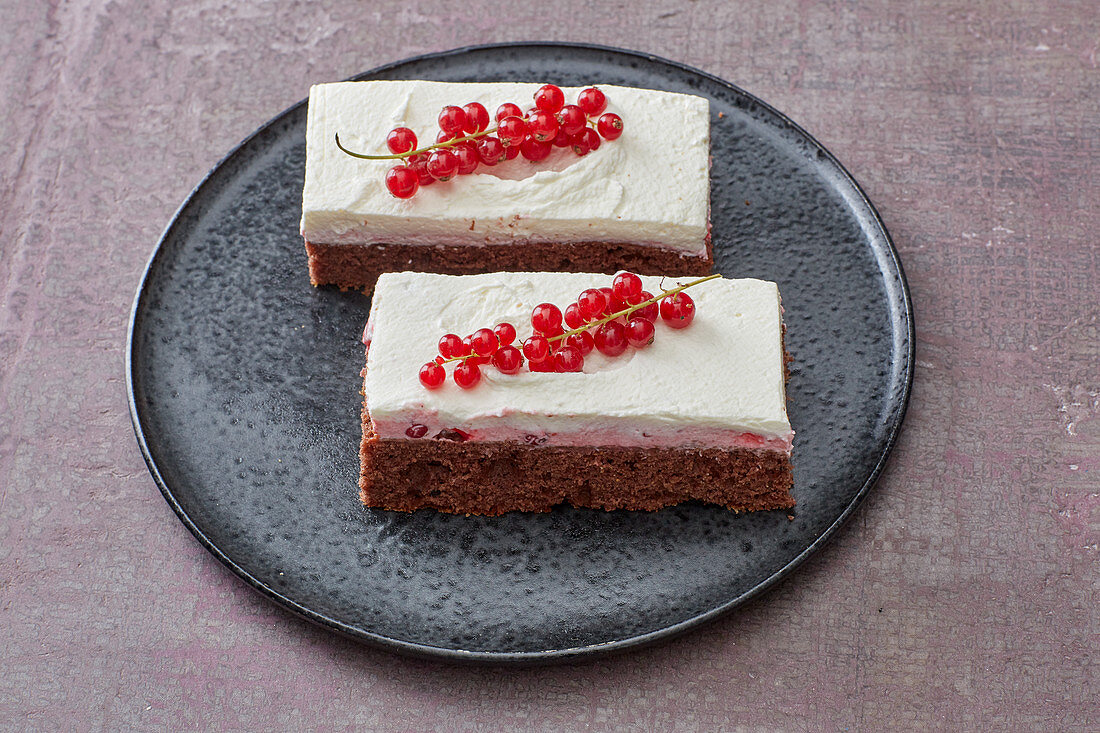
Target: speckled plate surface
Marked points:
244	392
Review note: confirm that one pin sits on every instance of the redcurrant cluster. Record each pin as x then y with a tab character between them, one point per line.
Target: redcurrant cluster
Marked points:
466	141
609	320
483	346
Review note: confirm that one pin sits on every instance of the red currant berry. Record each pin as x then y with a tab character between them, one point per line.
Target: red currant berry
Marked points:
473	358
569	359
573	317
536	348
490	150
588	141
512	130
627	287
420	168
401	140
610	339
545	318
442	164
467	157
443	137
543	125
607	293
546	365
614	304
592	101
484	342
451	345
582	342
591	139
432	375
508	110
439	360
467	375
417	430
477	117
554	344
639	332
592	303
402	181
678	310
572	119
549	98
610	126
506	333
511	152
649	312
452	119
534	151
562	140
508	359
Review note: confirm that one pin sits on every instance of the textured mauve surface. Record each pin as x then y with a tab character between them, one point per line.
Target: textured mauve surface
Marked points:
963	593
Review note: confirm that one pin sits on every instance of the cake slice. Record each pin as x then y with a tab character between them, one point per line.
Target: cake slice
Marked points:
699	414
638	202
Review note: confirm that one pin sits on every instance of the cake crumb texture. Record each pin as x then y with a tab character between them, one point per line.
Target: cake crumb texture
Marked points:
359	265
494	478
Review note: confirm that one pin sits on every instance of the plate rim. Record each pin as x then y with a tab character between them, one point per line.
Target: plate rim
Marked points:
545	656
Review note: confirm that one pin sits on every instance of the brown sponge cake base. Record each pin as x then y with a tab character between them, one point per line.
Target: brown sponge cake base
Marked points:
359	265
492	478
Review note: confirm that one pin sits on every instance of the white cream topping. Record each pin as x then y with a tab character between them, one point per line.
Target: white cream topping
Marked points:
651	186
705	385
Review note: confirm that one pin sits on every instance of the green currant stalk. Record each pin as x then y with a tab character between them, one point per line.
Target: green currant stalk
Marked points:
403	156
631	309
607	319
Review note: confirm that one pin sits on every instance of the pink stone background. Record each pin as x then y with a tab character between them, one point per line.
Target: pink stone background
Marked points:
962	595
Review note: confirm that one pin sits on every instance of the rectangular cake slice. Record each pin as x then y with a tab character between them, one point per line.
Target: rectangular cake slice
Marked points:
639	202
698	414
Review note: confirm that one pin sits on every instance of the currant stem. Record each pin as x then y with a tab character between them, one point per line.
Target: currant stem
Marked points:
625	312
402	156
638	306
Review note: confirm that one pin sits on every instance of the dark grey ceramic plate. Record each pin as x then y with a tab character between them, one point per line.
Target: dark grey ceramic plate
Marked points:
244	391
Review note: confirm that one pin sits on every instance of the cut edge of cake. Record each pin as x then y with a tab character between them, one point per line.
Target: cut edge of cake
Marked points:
493	478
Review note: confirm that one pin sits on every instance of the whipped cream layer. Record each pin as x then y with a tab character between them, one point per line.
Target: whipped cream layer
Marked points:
718	383
651	186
